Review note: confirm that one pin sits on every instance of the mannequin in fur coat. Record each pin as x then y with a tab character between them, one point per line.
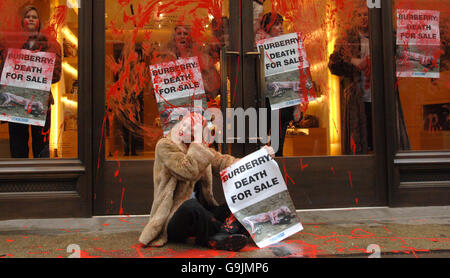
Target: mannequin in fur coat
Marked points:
184	205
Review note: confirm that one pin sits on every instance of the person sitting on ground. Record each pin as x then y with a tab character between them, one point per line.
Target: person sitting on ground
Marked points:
184	205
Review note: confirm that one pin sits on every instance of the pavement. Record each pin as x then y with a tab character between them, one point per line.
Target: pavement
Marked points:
413	232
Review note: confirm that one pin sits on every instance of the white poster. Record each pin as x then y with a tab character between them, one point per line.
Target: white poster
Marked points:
418	43
26	83
178	87
286	69
257	195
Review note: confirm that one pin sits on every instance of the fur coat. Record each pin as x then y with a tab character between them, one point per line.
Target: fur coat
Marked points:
176	171
354	124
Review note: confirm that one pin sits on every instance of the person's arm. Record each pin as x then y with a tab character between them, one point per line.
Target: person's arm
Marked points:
211	78
222	161
187	166
340	62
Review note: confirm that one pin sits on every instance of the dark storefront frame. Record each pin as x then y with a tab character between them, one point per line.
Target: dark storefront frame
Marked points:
368	172
82	187
399	178
389	177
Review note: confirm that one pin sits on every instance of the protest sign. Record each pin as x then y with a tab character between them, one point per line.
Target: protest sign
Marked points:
178	87
257	195
26	83
418	43
286	69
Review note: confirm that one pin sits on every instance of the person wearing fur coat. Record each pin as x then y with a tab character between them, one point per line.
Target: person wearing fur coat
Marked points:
184	205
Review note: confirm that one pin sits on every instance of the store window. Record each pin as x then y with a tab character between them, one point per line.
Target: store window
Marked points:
422	37
39	79
142	37
335	114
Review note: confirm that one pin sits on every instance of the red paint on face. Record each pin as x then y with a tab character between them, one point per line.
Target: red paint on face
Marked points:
31	21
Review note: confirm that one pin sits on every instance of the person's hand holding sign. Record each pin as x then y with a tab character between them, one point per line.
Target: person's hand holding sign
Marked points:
270	151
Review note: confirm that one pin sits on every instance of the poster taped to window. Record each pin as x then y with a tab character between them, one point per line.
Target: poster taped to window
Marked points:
287	71
25	86
178	87
418	43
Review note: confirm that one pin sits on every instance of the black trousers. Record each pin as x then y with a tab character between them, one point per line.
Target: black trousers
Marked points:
194	220
19	135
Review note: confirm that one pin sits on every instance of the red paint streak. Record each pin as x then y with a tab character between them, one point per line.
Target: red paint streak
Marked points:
84	254
350	179
229	221
286	174
301	164
37	253
57	21
334	239
352	145
357	232
124	221
121	201
138	249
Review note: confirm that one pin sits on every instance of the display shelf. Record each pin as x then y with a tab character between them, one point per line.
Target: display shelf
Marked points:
307	142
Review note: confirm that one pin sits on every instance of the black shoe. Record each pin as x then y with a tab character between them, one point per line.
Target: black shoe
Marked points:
223	241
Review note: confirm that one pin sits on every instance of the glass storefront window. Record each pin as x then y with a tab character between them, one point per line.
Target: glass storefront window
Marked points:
337	117
422	38
144	34
39	87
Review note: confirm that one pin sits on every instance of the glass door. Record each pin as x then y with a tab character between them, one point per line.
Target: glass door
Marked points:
140	104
